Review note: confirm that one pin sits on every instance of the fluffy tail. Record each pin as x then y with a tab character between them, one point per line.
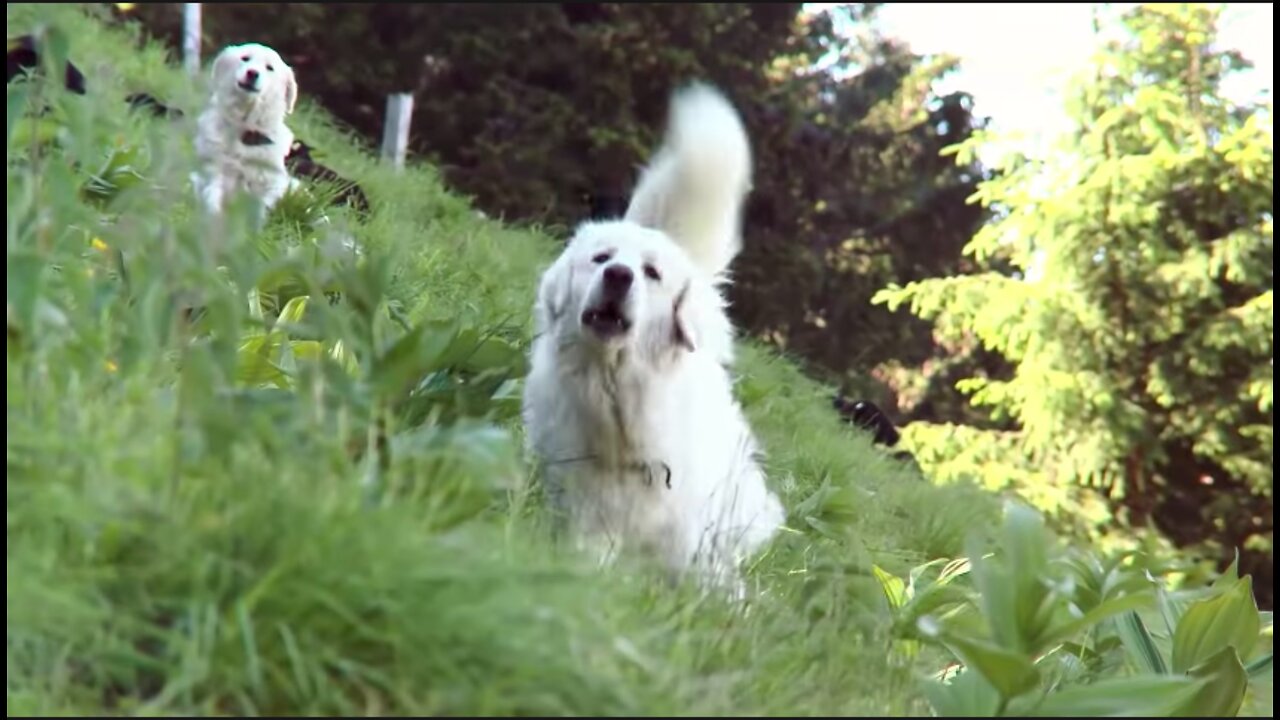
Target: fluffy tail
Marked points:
694	188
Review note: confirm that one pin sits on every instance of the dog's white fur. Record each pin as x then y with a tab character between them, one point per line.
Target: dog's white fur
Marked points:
239	104
614	414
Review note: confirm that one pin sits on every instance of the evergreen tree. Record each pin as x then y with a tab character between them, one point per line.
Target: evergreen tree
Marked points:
1139	316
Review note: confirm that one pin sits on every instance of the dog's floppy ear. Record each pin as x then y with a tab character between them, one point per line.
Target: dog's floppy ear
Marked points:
682	330
290	90
225	62
553	295
698	322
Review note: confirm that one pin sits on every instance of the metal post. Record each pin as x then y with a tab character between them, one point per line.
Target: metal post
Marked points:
191	38
395	130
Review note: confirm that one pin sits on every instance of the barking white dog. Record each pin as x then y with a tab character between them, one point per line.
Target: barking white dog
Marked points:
628	404
241	138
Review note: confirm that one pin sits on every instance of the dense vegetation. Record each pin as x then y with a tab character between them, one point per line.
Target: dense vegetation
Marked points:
250	472
1140	320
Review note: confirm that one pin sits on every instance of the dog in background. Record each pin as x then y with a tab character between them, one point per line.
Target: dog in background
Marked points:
301	164
868	416
144	101
241	137
23	56
628	403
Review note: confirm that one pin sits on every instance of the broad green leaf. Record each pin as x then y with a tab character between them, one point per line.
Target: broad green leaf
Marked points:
294	309
1225	682
841	503
1138	641
931	599
255	364
1146	696
954	569
55	52
996	597
1230	576
255	304
16	97
412	356
35	131
1009	672
1013	594
893	587
823	528
1260	669
307	349
1025	543
25	280
119	172
494	353
1086	658
951	569
345	358
914	575
463	344
1097	615
967	695
1171	609
286	361
1229	619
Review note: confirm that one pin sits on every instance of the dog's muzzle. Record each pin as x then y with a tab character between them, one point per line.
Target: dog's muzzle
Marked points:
249	83
607	317
606	320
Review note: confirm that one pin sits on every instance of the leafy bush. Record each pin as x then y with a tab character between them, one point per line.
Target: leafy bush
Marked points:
1046	633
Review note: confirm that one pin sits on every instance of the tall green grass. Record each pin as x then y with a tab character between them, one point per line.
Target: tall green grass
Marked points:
183	539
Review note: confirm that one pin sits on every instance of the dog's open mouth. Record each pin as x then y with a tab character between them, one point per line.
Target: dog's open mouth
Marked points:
248	86
607	320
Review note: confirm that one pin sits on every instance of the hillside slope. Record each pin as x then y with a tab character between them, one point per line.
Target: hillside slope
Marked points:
182	544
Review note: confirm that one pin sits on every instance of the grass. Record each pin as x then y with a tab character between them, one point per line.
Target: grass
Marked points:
179	544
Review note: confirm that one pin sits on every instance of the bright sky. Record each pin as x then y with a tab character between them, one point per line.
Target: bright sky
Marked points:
1015	58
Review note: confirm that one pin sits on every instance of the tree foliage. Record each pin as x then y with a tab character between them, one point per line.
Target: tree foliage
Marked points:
543	113
1139	316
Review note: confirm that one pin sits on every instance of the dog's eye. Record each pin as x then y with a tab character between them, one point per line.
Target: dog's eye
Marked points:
652	273
270	69
601	257
244	58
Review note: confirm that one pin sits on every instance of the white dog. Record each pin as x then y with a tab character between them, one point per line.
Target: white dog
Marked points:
241	138
628	404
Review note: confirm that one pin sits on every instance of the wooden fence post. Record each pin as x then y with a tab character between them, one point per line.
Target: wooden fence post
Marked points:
395	130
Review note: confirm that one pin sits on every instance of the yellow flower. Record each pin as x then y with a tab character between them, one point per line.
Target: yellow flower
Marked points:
111	366
99	245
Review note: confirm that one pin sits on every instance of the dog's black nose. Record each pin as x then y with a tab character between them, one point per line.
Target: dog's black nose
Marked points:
251	75
617	280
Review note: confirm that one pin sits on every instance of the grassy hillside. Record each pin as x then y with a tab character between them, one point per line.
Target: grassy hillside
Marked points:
194	531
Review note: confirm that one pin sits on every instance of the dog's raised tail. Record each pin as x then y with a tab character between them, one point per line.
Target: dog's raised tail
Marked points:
694	188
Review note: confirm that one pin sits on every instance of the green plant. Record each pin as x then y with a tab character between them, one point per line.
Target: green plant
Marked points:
1045	633
1214	633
